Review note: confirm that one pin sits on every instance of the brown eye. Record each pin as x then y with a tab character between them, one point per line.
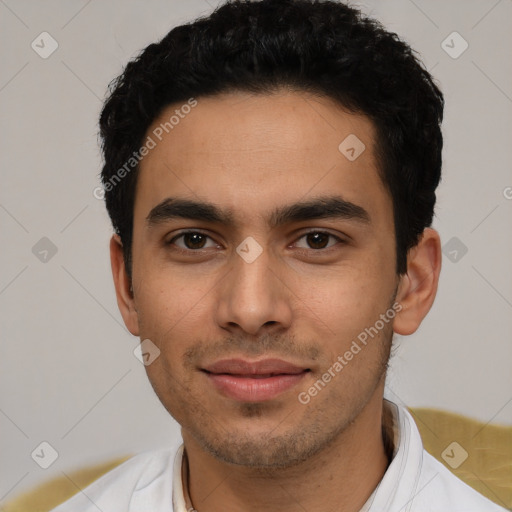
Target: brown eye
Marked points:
191	240
318	240
194	240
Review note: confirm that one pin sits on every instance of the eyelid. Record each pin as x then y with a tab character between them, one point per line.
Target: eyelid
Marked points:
324	231
298	236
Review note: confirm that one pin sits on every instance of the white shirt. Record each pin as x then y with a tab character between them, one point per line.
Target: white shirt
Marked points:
414	482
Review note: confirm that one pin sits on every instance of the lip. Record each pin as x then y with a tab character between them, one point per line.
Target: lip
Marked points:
253	381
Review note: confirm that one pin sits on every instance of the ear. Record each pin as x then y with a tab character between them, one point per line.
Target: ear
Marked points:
418	287
124	293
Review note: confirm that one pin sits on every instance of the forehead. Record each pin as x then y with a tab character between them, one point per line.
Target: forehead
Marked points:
252	152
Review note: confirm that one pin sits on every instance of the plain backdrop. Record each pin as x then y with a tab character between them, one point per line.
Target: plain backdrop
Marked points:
68	373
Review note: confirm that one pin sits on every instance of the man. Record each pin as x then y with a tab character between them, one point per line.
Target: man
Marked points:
270	172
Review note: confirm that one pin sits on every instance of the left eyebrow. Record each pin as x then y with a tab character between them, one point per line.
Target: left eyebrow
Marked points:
326	207
331	207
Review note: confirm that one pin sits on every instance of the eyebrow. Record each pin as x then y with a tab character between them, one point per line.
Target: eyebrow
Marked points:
330	207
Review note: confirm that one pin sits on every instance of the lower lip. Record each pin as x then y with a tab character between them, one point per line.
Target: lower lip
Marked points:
247	389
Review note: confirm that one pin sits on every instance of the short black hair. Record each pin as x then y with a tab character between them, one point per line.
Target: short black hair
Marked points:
322	47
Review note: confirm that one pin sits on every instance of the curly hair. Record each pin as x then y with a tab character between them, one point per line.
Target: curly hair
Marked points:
321	47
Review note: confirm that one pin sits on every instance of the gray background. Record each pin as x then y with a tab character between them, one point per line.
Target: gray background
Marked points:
68	373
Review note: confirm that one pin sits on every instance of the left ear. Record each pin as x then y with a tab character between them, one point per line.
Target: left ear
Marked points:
418	287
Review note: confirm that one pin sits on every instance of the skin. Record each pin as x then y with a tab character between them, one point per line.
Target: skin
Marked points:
297	301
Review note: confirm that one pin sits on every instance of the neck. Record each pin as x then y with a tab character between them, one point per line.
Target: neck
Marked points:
342	476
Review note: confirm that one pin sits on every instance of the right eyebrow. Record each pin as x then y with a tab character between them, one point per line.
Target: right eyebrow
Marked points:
172	208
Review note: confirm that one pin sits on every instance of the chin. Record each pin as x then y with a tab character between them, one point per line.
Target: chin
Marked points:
265	445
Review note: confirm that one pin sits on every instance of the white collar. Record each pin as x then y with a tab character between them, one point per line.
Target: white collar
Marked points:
403	473
178	498
401	477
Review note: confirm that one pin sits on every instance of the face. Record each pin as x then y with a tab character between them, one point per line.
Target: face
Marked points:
261	252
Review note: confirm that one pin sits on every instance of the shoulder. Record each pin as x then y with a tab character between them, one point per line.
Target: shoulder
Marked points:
417	482
439	487
120	488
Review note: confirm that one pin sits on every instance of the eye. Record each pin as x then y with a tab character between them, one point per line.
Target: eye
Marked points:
191	241
318	240
195	241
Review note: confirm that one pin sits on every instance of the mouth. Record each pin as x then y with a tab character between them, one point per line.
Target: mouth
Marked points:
255	381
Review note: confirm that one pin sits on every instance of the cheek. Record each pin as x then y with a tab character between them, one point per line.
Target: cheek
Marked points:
348	299
166	306
169	317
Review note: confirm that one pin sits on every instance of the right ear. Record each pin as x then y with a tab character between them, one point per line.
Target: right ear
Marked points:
123	285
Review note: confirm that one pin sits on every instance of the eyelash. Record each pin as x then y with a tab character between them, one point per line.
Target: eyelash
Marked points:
189	251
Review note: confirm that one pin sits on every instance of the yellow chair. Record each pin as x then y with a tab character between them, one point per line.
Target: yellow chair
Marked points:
488	466
447	436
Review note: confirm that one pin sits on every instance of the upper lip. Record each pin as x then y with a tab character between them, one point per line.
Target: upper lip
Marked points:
263	367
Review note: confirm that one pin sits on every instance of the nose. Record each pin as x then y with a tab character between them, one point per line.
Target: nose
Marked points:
253	297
